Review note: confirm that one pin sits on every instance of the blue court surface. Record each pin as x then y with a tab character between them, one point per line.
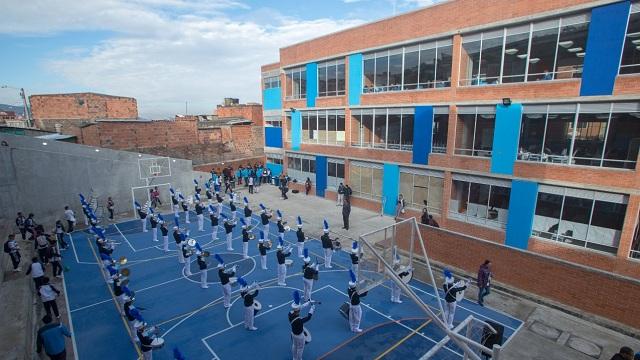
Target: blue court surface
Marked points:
195	321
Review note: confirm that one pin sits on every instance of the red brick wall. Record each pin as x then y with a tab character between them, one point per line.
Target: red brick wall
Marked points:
251	112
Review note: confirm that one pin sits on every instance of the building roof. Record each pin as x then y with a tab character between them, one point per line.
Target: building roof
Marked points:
55	137
228	121
83	93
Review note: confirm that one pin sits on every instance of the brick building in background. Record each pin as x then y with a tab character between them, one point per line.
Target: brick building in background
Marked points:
65	113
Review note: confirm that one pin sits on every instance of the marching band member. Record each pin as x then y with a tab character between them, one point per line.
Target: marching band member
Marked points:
85	211
132	314
224	280
207	192
203	270
220	200
199	215
164	230
174	202
451	291
143	216
145	343
355	311
186	253
197	187
185	208
297	325
228	229
248	294
232	206
177	236
309	274
262	248
280	225
264	218
154	225
300	236
247	212
281	256
213	216
327	245
246	236
355	259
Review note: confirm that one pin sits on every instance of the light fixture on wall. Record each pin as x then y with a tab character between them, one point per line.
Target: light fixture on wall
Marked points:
534	60
634	35
522	56
44	143
580	54
97	150
636	42
575	49
565	44
506	101
511	51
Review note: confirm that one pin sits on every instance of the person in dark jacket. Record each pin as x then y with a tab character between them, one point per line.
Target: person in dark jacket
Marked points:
484	281
51	338
424	219
625	353
346	211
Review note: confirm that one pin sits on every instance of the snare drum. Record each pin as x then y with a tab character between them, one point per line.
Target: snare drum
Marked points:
157	343
344	310
288	262
257	306
137	324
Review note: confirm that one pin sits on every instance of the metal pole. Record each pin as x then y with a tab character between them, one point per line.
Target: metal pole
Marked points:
446	339
27	113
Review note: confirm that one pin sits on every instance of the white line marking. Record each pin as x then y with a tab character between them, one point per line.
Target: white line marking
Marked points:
73	246
73	334
94	304
124	237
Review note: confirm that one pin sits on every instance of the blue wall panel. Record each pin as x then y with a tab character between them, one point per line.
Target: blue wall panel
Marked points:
312	84
522	207
276	169
604	48
422	134
272	99
355	79
273	137
321	175
390	186
296	130
505	138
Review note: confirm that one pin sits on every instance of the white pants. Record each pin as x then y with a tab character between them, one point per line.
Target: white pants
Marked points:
180	255
300	249
340	197
229	239
449	312
248	317
203	279
281	236
176	211
247	219
245	249
265	228
226	294
86	220
214	233
147	355
155	233
395	292
234	214
282	274
308	287
355	268
187	267
297	346
355	316
327	258
186	217
144	224
219	209
132	329
165	241
200	222
263	262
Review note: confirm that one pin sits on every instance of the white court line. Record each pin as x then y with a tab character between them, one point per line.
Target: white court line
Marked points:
124	237
513	335
398	322
239	297
73	334
212	268
73	246
91	305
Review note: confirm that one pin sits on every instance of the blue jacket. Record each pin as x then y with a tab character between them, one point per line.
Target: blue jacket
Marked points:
51	336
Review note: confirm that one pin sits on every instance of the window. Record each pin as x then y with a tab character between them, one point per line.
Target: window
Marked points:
300	167
595	134
421	66
323	127
580	217
365	180
474	132
635	246
335	173
296	83
422	188
331	78
544	50
383	128
440	129
273	120
479	200
288	122
631	54
274	158
270	80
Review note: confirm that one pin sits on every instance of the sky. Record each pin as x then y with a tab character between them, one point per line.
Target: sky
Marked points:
164	53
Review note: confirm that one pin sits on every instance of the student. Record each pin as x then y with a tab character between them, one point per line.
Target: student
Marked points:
451	291
51	338
11	247
484	281
70	216
20	223
37	272
56	260
48	294
110	207
307	186
60	235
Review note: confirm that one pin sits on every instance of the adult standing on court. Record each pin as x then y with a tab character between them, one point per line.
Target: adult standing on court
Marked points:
51	338
340	199
484	281
346	211
110	207
347	192
70	216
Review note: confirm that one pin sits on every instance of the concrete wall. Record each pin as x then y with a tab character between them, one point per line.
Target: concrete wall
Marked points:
43	179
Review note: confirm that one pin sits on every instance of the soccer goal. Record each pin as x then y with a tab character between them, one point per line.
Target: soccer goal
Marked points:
143	196
396	255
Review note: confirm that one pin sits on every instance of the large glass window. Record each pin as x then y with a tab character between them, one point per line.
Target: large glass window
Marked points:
270	80
274	158
631	54
323	127
300	167
635	246
578	217
412	67
478	200
366	180
273	120
422	189
440	129
474	131
296	83
331	81
288	122
596	134
544	50
335	173
383	128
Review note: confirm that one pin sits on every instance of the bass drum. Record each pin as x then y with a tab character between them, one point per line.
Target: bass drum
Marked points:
405	274
307	335
257	306
460	294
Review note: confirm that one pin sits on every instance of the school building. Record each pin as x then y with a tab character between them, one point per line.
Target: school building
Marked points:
513	121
